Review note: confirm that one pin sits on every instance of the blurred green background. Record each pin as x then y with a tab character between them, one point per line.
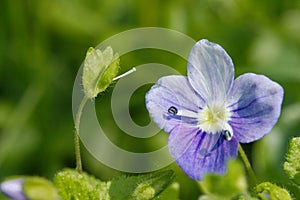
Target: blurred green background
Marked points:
43	43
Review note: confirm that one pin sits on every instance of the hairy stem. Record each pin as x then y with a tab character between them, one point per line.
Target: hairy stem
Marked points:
76	135
247	165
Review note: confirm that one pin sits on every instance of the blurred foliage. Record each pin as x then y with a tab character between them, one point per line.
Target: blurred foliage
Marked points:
43	43
69	184
228	186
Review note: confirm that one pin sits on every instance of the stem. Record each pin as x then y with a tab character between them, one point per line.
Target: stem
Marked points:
247	165
76	135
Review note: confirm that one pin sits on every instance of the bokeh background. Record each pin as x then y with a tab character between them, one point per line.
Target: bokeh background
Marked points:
43	43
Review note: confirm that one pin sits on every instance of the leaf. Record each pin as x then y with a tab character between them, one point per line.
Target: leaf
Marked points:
99	70
73	185
229	185
141	187
170	193
292	163
3	197
267	190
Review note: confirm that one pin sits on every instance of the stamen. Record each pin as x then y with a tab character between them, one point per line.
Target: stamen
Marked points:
227	135
125	74
214	119
172	110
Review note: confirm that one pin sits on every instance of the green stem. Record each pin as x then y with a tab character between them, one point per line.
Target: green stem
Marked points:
76	136
247	165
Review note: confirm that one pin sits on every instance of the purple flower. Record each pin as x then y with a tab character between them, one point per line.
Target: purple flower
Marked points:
207	112
13	188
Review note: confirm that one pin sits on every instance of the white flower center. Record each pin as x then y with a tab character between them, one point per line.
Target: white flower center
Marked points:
214	119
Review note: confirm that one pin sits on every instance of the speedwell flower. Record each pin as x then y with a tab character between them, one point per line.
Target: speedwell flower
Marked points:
207	112
13	188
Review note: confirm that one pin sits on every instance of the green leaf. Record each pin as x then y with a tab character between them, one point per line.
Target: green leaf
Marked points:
72	185
170	193
229	185
3	197
99	70
141	187
267	190
292	163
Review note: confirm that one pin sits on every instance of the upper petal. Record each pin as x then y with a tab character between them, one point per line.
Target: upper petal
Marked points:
173	91
210	71
255	102
187	146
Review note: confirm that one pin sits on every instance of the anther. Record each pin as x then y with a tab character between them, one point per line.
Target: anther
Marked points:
172	110
227	135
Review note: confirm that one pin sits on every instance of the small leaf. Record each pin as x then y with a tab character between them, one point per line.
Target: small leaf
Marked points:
141	187
74	185
99	70
232	183
292	163
267	190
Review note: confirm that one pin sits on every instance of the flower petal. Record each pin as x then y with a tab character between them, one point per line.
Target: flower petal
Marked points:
187	148
13	188
182	137
255	103
210	71
173	92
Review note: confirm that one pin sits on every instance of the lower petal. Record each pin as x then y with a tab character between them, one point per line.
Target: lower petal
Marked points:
198	153
255	106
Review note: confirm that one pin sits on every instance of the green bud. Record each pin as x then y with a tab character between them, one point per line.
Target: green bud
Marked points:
292	163
267	190
99	70
143	191
73	185
104	190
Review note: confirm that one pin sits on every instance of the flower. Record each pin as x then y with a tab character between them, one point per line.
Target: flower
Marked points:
13	189
208	113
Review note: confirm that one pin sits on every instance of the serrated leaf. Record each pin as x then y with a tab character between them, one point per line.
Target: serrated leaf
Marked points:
141	187
292	163
99	70
267	190
72	185
231	184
